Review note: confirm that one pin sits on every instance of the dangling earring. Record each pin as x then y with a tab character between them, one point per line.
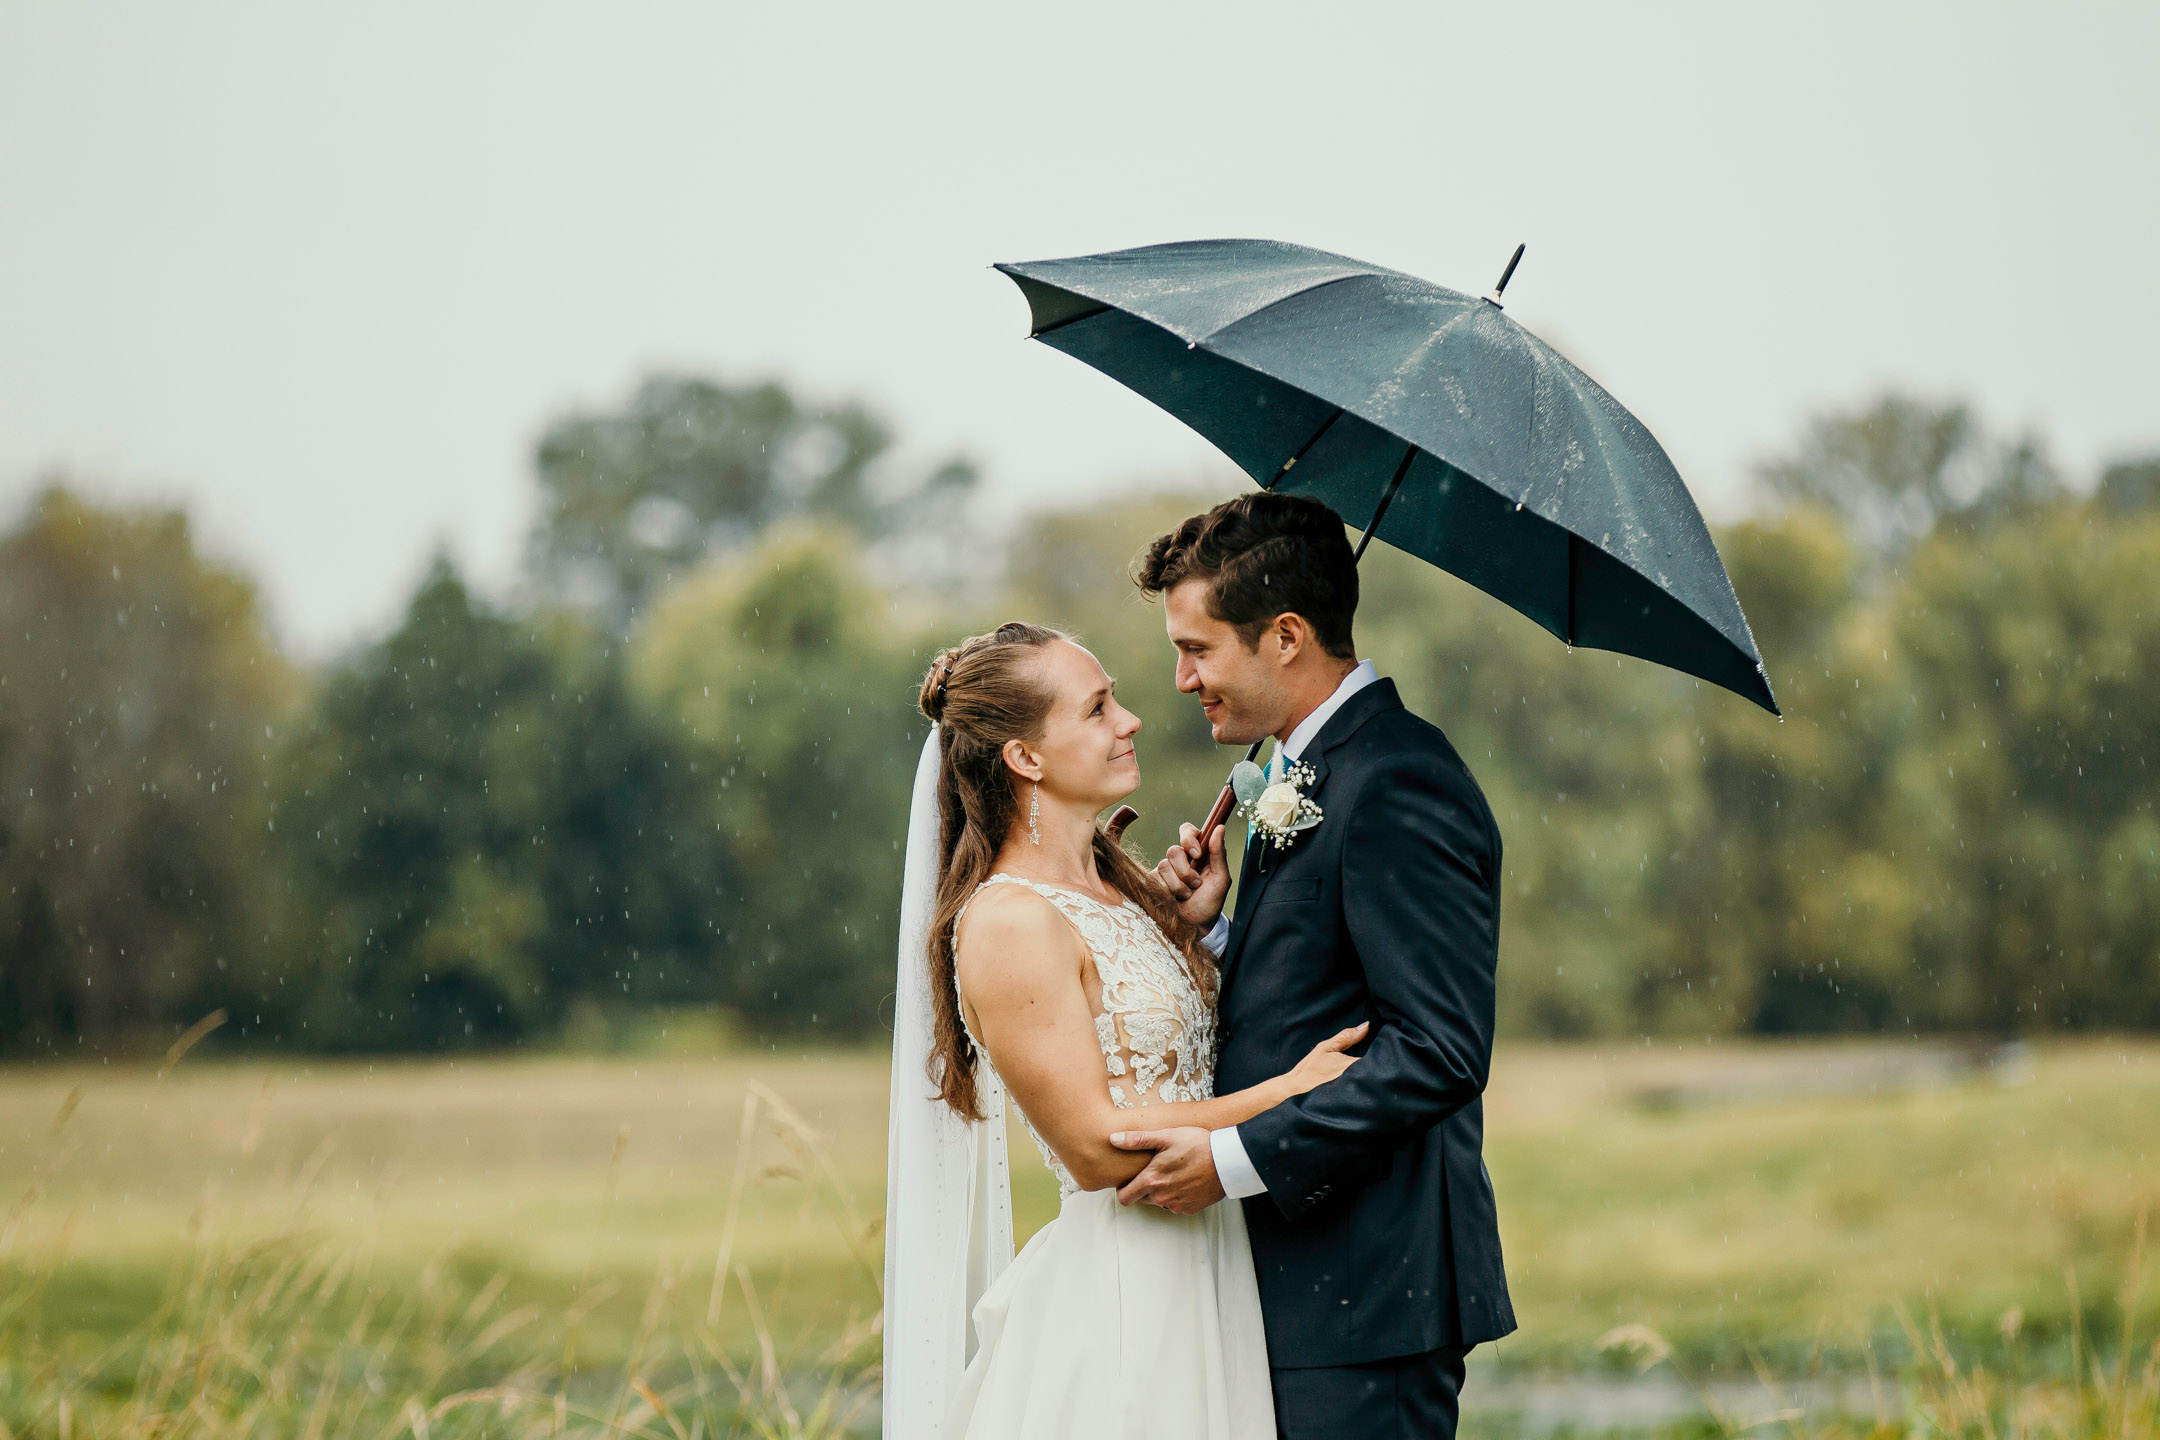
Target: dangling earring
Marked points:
1035	810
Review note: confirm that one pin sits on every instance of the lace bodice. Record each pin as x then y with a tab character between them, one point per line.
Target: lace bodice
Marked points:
1156	1029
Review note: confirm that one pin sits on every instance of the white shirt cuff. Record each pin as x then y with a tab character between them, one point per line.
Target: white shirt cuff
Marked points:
1217	940
1233	1166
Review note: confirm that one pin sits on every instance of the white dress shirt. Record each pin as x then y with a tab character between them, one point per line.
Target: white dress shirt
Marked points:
1232	1166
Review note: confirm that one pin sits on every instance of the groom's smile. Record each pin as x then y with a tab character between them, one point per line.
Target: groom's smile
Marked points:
1235	682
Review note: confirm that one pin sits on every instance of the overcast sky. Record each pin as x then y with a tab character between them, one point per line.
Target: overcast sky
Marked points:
324	273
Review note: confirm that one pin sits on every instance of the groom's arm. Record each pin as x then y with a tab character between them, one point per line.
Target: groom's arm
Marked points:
1233	1168
1192	1168
1421	908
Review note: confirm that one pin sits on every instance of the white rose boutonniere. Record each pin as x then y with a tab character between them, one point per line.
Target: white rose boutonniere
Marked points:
1277	805
1279	811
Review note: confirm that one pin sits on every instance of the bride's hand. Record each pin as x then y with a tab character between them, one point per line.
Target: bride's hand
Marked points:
1327	1060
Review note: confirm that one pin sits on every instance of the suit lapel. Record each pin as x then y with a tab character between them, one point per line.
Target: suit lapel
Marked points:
1375	699
1262	860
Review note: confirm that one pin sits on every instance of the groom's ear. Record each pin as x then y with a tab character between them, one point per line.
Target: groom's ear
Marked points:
1291	635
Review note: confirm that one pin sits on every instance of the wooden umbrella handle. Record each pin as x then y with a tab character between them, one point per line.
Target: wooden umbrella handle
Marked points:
1124	815
1216	817
1114	827
1219	813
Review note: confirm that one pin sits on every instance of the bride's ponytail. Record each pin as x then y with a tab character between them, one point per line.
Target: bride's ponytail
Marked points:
982	692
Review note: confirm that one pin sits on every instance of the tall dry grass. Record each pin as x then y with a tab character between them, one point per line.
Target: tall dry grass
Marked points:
486	1276
2110	1389
287	1333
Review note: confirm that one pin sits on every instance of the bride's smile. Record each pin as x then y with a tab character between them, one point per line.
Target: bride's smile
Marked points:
1086	758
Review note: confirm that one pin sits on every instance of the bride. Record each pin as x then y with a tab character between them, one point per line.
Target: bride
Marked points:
1036	956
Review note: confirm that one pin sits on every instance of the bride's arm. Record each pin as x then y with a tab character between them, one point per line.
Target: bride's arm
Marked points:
1020	965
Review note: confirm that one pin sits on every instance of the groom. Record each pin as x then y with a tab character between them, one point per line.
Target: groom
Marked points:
1370	1211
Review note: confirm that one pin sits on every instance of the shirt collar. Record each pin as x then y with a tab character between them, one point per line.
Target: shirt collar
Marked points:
1364	674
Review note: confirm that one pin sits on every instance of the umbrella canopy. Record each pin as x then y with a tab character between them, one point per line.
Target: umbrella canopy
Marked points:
1476	446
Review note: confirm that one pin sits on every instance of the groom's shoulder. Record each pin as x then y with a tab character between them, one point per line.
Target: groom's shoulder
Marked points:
1398	740
1400	735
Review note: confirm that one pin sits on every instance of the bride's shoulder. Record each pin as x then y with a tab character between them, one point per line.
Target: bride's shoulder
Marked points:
1000	908
1010	931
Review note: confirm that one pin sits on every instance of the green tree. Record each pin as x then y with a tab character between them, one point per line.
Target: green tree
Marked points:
489	829
791	694
139	699
1789	886
635	877
2130	486
2029	775
634	500
1896	468
414	826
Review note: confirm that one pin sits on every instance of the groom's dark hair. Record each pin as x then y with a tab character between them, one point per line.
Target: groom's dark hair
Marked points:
1263	554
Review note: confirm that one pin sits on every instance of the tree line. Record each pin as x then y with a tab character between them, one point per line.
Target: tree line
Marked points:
673	770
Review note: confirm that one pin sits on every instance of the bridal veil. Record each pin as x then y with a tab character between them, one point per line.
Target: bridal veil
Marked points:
948	1198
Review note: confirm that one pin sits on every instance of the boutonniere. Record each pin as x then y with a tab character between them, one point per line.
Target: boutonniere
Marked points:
1279	811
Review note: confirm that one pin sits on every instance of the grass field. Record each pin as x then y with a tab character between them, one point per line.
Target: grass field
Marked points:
1746	1203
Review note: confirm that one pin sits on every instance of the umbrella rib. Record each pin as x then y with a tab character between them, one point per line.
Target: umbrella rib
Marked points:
1068	320
1573	540
1313	440
1387	498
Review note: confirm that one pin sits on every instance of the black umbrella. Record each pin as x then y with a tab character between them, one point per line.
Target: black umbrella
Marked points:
1425	415
1428	416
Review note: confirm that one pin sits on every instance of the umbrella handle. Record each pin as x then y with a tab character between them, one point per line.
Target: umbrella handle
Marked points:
1220	812
1124	815
1114	828
1227	801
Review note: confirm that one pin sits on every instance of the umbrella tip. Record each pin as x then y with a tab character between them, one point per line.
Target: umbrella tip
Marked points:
1507	274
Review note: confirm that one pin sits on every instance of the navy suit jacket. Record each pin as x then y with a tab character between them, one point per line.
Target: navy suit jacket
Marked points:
1377	1236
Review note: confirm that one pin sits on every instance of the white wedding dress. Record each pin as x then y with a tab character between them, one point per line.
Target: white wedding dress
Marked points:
1112	1321
1117	1320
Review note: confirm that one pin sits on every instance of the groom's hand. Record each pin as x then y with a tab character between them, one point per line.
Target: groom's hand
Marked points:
1199	893
1180	1178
